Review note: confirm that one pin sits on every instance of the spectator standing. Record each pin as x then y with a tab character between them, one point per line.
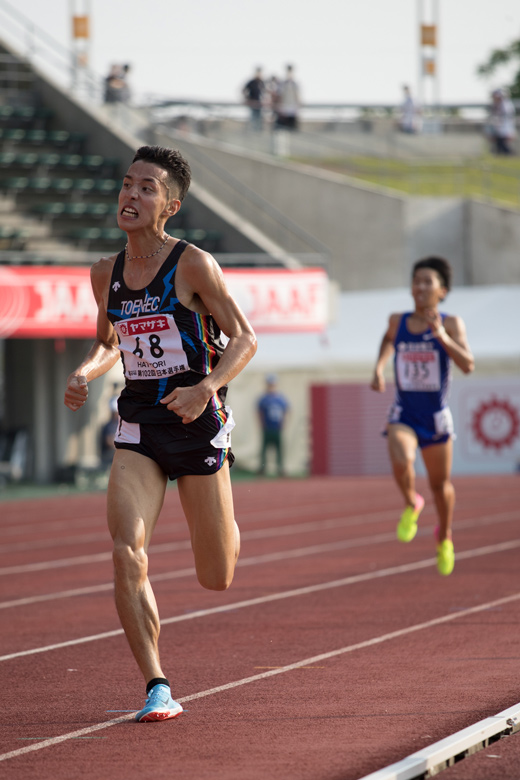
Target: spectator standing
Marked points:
410	113
125	90
273	96
254	94
289	101
272	411
503	129
116	85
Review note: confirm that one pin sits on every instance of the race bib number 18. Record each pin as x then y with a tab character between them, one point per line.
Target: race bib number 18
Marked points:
152	347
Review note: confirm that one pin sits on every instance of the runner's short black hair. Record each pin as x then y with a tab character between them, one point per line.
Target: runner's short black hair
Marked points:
177	168
438	264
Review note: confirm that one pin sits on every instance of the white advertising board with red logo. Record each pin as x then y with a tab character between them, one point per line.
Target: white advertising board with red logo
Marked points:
347	421
486	415
57	302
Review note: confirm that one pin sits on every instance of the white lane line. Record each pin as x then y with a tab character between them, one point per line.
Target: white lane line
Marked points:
25	529
63	738
265	534
421	763
168	512
280	670
60	563
251	561
62	541
188	572
261	533
351	580
276	531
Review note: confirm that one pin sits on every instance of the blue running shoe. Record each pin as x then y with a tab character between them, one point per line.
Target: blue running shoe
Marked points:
159	706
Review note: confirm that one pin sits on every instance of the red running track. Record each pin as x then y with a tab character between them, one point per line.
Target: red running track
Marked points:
336	651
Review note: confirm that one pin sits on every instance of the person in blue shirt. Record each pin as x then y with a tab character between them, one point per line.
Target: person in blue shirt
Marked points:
272	412
424	342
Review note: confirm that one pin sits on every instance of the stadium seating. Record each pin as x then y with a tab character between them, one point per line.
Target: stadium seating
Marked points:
72	209
12	238
18	116
50	161
45	172
93	237
36	137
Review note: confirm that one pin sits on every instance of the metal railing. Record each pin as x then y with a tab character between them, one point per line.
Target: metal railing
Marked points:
45	52
249	204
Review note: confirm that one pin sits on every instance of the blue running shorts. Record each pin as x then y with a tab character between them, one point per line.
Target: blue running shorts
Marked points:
430	429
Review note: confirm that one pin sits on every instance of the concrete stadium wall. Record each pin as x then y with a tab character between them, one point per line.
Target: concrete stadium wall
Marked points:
382	140
438	226
363	226
494	244
374	235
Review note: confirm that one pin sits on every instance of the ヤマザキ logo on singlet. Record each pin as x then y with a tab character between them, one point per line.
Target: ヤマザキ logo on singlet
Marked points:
145	325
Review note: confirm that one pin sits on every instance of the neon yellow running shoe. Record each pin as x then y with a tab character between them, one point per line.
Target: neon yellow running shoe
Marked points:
407	526
445	557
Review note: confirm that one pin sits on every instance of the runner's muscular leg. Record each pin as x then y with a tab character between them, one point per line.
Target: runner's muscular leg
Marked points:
135	498
437	459
402	448
208	505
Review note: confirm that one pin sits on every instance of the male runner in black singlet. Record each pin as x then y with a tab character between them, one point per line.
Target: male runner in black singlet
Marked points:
162	305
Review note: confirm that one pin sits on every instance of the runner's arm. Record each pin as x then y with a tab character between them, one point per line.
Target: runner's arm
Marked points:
452	336
203	277
104	353
386	351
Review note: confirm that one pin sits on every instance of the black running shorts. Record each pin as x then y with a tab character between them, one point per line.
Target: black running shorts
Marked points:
200	447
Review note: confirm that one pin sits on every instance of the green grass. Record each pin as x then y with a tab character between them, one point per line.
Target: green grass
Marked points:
491	178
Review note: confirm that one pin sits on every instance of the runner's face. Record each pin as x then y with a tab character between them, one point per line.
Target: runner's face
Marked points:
143	198
427	288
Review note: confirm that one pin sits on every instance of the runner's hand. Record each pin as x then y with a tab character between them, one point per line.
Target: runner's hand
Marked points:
378	383
187	402
434	319
76	393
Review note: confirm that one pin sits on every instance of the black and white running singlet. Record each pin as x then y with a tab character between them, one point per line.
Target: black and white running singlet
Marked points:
163	344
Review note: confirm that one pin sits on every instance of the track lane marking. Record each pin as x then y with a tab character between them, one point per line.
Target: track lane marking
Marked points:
273	672
286	530
245	516
23	523
351	580
264	534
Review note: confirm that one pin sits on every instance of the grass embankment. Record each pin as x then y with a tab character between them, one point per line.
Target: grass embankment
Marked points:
491	178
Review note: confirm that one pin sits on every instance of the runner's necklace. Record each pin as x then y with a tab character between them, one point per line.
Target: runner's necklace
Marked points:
145	257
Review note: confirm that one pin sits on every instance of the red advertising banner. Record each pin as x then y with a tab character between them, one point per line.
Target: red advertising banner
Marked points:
46	302
282	301
57	301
